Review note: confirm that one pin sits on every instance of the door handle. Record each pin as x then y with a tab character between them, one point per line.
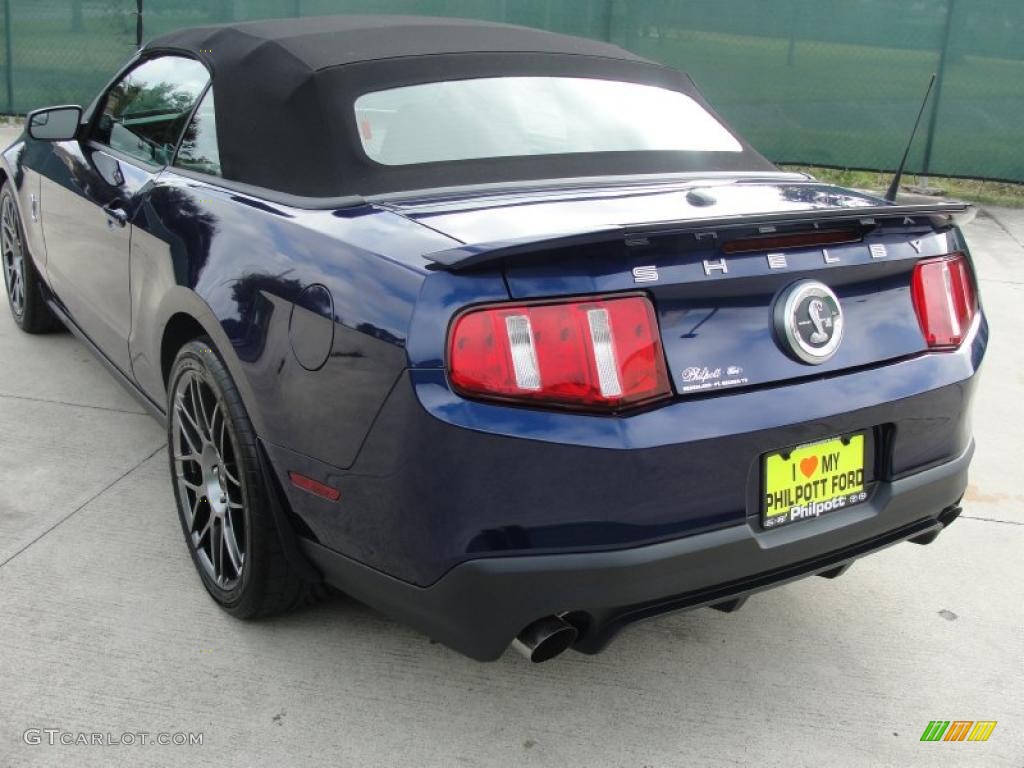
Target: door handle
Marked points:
115	215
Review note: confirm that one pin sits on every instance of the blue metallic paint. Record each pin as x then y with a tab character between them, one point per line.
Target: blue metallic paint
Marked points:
414	505
430	479
249	264
534	214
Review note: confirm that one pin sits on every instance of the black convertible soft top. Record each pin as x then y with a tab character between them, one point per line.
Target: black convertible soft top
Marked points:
285	91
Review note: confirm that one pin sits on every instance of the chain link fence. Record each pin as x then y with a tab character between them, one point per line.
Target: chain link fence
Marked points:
820	82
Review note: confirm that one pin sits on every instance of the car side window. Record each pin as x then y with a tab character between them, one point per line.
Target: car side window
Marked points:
144	113
198	151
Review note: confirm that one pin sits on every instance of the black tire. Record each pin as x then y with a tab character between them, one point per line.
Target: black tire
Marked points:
266	582
21	281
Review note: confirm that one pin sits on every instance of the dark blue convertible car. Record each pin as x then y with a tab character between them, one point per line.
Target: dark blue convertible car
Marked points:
503	332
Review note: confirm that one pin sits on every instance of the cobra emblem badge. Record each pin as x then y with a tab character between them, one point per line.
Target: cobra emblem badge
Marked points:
821	319
809	321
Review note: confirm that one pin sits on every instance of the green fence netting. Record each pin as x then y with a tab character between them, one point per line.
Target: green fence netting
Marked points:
826	82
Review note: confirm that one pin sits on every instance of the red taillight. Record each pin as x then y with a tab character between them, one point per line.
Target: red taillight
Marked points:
944	299
598	353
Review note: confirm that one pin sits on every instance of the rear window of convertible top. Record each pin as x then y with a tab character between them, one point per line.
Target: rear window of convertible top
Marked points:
528	116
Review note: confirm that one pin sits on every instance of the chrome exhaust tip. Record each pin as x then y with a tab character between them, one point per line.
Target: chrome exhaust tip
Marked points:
545	638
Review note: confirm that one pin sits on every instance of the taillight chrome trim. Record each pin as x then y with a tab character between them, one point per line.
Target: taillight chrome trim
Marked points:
604	352
523	349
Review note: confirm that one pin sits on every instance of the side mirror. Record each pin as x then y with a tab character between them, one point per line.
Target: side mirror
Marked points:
54	123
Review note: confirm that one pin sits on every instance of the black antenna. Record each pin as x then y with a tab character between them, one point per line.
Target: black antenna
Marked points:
890	195
138	24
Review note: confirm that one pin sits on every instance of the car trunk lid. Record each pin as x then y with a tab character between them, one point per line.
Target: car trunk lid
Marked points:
718	261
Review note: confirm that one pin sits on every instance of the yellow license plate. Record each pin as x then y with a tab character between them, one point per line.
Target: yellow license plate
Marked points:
812	480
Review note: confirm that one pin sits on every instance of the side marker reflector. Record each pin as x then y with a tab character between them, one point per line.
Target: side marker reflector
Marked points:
313	486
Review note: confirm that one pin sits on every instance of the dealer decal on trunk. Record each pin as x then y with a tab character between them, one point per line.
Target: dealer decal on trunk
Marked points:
698	377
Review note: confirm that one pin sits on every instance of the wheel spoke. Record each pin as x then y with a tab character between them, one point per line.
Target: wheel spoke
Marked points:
220	441
212	545
213	419
231	546
194	513
231	477
217	536
204	531
182	408
193	411
201	417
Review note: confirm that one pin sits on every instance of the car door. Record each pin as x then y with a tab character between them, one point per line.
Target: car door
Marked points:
90	203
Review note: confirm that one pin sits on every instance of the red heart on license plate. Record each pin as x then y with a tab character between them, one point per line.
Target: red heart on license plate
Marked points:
808	465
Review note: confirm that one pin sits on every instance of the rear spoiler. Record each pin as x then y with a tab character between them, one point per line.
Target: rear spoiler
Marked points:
475	254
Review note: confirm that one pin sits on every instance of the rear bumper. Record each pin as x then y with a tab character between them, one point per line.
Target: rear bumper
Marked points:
480	605
441	480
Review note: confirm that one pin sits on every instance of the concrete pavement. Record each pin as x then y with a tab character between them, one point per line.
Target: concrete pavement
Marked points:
104	626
